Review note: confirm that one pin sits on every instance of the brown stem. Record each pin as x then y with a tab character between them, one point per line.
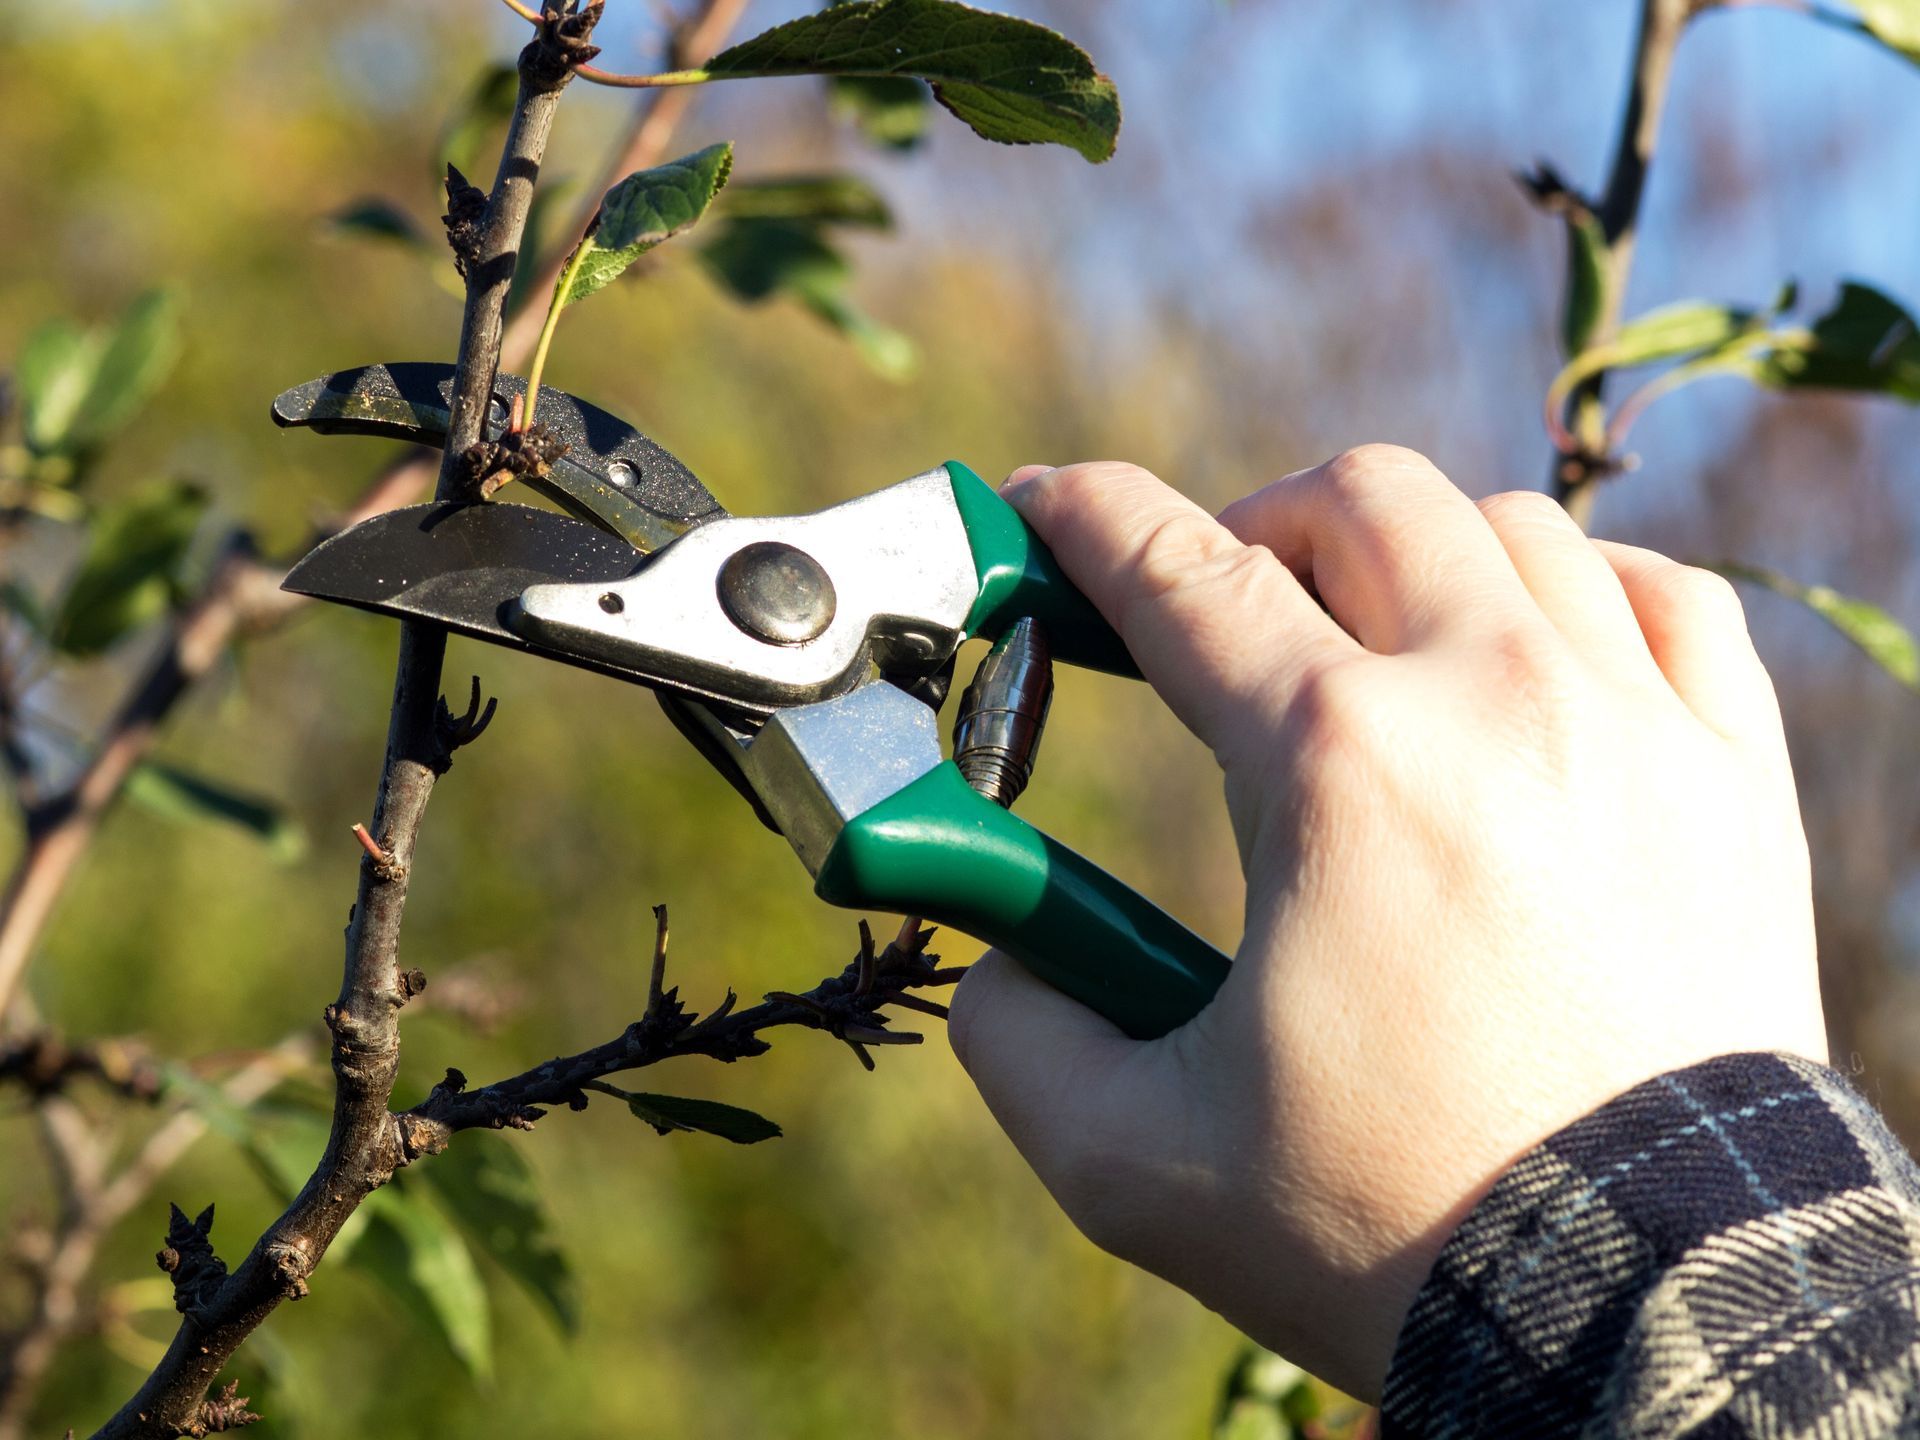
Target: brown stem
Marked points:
362	1148
655	120
848	1006
1574	484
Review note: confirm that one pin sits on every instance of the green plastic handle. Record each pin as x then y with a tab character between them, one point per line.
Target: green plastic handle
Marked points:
1020	577
938	848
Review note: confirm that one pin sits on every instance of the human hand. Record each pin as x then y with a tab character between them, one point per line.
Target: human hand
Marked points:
1518	830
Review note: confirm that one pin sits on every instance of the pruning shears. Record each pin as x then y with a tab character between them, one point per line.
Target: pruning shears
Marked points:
803	655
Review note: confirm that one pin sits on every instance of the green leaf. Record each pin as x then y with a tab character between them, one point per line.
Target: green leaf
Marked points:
708	1117
55	367
139	353
1866	342
643	210
1265	1398
890	110
1009	79
756	259
1586	280
128	575
416	1254
379	219
813	199
1894	23
488	1188
487	105
19	602
1887	642
180	795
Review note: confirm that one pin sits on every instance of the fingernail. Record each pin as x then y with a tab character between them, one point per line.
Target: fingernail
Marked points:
1020	477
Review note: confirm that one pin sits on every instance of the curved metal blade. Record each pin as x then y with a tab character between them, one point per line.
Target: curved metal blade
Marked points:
611	476
463	566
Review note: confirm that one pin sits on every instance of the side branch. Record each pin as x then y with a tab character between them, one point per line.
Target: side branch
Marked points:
848	1006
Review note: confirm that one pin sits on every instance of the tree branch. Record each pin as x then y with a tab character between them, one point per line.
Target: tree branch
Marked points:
847	1006
1575	478
362	1146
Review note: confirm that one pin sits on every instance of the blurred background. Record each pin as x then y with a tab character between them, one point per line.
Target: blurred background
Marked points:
1310	238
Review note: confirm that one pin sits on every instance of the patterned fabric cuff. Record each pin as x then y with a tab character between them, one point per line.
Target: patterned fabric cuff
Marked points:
1729	1250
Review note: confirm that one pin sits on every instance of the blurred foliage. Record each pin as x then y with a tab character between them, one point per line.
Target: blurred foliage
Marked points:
1268	1398
887	1266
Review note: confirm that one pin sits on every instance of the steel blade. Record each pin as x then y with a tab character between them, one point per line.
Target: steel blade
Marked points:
611	476
465	566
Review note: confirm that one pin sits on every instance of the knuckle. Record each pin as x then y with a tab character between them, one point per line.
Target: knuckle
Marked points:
1335	720
1179	552
1527	507
1366	468
1689	588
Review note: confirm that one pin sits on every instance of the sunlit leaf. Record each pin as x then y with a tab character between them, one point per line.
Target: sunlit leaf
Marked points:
419	1258
1264	1398
1009	79
377	219
890	110
1866	342
491	1192
1884	639
815	199
1895	23
180	795
127	577
54	369
487	105
643	210
137	354
667	1113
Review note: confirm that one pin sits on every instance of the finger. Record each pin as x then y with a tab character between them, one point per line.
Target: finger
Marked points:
1069	1088
1400	556
1217	627
1571	582
1696	630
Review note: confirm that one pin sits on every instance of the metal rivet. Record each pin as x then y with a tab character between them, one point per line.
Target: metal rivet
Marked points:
612	603
776	593
622	474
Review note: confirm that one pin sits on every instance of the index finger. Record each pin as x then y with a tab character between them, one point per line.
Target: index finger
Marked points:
1216	626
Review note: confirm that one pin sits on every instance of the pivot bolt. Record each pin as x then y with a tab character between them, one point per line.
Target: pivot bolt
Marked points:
776	593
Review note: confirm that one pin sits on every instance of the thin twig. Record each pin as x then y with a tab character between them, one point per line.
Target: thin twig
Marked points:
1661	25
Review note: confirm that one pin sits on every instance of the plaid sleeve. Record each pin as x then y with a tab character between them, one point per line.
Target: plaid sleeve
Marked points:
1731	1250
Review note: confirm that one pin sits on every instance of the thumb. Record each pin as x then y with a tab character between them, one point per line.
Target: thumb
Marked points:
1212	623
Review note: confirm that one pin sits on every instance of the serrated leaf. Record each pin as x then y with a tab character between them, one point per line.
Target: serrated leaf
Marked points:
1894	23
378	219
418	1257
1009	79
890	110
756	259
1866	342
487	105
646	208
127	577
666	1113
488	1188
810	199
1586	280
138	354
180	795
1884	640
